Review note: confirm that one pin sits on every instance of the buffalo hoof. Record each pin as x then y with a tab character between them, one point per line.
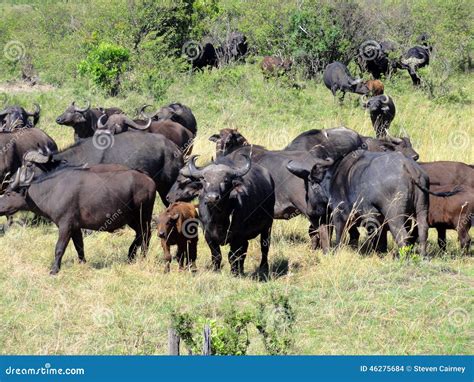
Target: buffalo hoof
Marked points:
53	271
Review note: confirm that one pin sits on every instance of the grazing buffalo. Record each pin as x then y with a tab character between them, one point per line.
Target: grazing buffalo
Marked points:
178	225
175	112
369	189
382	112
375	87
15	117
275	66
175	132
151	154
84	120
235	205
415	58
336	77
102	199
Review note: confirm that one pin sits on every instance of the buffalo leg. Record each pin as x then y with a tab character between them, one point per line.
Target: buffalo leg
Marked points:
167	255
265	247
398	230
61	245
237	253
422	225
442	238
192	254
216	254
79	245
353	236
464	238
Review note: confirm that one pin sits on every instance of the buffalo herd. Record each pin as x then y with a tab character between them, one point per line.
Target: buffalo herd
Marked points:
338	179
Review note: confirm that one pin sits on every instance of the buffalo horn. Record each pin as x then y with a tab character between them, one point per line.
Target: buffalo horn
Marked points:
245	169
193	170
135	125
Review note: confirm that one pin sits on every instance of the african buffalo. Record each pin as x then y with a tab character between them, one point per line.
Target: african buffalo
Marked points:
375	87
369	189
175	112
15	117
100	199
84	120
151	154
382	112
178	225
235	205
336	77
15	144
275	66
374	58
175	132
415	58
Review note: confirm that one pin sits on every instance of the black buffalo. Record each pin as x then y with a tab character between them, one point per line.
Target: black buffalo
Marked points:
16	117
374	58
100	198
415	58
175	112
382	112
235	205
84	120
151	154
336	77
368	189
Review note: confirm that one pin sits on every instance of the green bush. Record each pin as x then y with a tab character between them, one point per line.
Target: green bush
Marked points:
104	66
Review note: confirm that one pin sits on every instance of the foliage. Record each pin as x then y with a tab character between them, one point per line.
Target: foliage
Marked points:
104	65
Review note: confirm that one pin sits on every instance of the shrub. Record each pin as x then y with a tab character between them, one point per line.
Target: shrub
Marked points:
104	66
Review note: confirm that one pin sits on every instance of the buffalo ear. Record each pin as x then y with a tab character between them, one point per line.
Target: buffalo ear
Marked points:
297	170
214	137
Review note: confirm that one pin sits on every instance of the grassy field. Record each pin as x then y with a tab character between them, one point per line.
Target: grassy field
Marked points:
344	304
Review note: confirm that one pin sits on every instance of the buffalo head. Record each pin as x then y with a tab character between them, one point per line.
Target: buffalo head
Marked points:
227	141
16	117
73	115
220	182
118	123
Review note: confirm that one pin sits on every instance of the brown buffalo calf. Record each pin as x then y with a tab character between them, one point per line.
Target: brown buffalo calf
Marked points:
275	66
178	225
454	212
375	87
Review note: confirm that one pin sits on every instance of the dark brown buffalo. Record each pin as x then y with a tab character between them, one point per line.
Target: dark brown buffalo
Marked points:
455	212
375	87
275	66
175	112
84	120
175	132
15	117
104	198
178	225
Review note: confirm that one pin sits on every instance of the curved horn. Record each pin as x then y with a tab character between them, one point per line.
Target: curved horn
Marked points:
36	112
100	124
244	170
394	139
142	112
36	157
193	170
135	125
82	110
16	181
386	99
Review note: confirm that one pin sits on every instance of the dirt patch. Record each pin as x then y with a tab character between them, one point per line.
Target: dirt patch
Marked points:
21	87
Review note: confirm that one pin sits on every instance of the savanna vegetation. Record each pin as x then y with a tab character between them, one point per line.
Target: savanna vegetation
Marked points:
129	53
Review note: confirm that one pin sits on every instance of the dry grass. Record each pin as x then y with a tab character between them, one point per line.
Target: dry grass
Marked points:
344	303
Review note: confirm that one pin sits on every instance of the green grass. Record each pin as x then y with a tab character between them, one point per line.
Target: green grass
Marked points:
345	303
